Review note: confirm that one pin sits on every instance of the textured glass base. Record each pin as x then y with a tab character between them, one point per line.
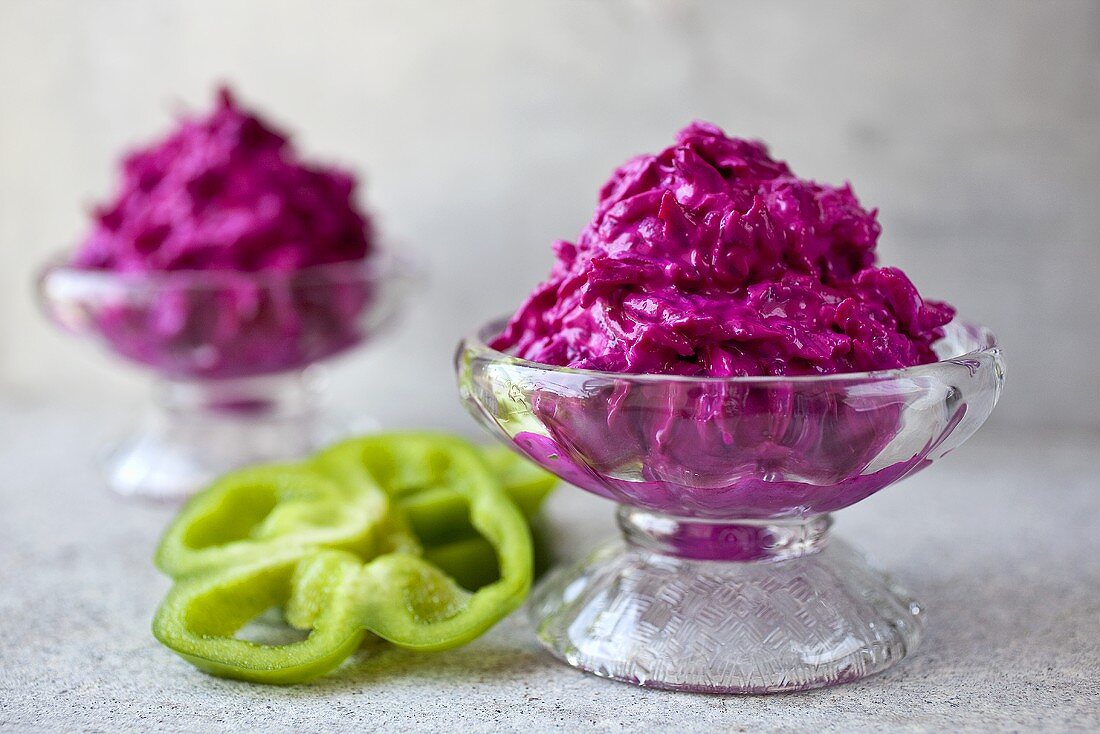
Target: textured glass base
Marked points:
798	611
203	429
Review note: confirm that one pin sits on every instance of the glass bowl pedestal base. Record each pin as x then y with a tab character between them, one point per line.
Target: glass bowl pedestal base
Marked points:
201	429
742	606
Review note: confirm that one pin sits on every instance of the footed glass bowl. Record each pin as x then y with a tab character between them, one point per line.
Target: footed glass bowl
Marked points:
231	351
726	579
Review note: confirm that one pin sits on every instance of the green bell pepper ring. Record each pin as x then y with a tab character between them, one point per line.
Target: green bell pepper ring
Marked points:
406	599
201	615
297	536
471	562
436	514
439	514
255	512
525	483
439	517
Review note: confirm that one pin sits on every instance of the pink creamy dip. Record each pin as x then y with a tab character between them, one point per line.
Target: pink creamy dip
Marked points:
233	256
711	258
225	192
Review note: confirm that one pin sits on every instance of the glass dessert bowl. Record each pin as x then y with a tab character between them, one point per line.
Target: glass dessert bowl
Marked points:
232	352
726	578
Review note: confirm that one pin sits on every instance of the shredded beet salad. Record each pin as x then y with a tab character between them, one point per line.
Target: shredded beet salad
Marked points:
224	197
225	192
711	258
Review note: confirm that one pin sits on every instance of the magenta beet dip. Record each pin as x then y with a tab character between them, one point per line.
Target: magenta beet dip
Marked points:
225	192
236	257
711	258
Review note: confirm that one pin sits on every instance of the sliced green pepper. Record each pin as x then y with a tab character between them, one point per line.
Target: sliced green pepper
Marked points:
408	600
437	515
319	591
415	605
525	483
440	518
255	512
338	543
471	562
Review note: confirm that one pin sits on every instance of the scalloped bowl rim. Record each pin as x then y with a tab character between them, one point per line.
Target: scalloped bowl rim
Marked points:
378	266
478	341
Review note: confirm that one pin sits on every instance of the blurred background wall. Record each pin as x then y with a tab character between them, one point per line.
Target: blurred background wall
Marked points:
484	129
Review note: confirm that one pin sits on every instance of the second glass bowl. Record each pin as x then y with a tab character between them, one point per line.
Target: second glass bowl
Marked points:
231	351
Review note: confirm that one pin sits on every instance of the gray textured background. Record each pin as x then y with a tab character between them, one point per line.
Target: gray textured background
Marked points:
485	128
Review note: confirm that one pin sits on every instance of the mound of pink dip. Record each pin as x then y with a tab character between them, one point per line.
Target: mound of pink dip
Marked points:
711	258
225	192
228	255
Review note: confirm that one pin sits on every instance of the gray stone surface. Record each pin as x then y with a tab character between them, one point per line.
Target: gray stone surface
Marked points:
1001	542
